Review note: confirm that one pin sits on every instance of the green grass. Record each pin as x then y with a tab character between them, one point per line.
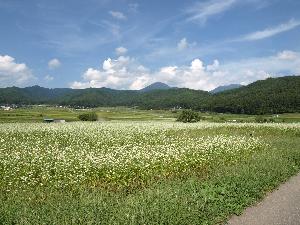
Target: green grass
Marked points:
129	114
37	114
227	117
208	195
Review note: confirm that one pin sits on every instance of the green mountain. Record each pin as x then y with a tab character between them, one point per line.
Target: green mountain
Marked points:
156	99
156	86
31	95
225	88
273	95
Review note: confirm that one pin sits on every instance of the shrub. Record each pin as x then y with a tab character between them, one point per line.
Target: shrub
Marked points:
91	116
261	119
188	116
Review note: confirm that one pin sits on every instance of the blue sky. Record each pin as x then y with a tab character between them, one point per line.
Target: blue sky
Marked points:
126	44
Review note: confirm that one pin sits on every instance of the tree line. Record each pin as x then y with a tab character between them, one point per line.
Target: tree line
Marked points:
273	95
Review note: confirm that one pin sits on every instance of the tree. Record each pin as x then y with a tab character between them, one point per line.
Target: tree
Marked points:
188	116
92	116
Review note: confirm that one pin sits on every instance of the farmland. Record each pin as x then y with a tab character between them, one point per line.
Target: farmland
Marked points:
140	172
149	112
38	113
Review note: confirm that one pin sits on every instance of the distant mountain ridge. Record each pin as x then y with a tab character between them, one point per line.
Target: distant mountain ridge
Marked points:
156	86
273	95
225	88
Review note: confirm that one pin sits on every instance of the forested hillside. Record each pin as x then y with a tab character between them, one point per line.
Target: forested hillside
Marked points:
273	95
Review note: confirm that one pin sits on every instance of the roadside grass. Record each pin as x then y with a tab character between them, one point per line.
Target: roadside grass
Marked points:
209	198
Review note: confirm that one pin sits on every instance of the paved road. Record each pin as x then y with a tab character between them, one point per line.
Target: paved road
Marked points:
281	207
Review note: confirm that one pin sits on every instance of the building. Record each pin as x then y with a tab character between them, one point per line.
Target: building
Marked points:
59	121
49	120
5	108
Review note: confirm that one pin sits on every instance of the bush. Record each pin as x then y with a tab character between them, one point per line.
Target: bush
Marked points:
261	119
92	116
188	116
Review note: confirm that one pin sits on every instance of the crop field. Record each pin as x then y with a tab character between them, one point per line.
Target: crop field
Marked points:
140	172
38	113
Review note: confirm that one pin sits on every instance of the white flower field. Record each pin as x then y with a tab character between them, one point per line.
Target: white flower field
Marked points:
151	172
116	153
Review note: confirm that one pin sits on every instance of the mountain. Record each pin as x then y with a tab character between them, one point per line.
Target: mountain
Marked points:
173	97
155	99
31	95
156	86
225	88
273	95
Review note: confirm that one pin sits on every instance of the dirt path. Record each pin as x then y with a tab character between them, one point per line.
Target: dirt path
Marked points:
281	207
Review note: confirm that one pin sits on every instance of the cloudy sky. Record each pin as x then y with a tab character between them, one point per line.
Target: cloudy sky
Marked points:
128	44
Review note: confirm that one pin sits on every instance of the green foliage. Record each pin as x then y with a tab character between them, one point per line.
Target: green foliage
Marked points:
189	116
91	116
261	119
270	96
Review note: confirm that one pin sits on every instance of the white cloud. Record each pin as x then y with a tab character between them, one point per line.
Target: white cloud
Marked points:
126	73
140	82
118	15
48	78
269	32
121	73
249	70
206	77
197	65
194	76
80	85
201	11
170	70
107	66
288	55
54	63
214	66
92	74
182	44
12	73
121	50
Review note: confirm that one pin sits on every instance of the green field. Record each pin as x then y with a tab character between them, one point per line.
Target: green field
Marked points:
38	113
140	172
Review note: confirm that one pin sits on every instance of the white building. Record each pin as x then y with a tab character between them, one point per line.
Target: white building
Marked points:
5	108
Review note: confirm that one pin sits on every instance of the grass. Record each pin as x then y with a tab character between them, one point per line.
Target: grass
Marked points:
38	113
130	114
199	195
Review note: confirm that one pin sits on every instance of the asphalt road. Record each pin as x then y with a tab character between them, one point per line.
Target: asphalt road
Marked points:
281	207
